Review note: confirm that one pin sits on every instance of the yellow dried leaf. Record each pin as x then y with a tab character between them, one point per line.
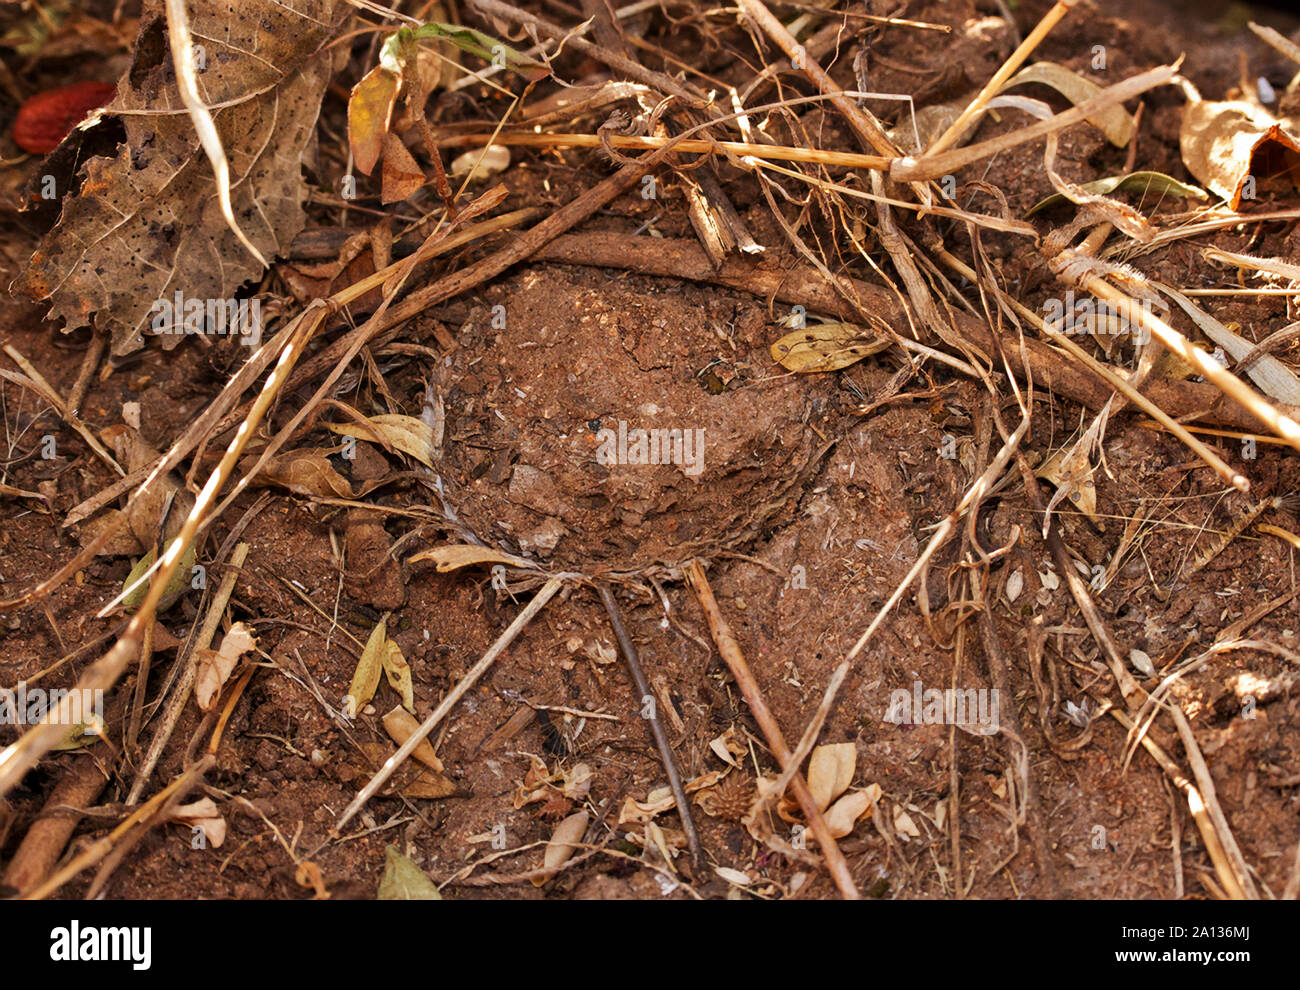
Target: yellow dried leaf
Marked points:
400	726
370	113
365	679
398	672
405	433
826	347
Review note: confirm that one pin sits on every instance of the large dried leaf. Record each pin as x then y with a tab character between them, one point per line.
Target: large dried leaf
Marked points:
405	433
1114	121
306	472
845	813
1222	140
826	347
830	771
147	224
398	673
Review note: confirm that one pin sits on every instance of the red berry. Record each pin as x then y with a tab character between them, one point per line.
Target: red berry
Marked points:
45	119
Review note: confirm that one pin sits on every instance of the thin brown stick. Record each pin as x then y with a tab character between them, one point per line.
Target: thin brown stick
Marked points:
656	726
869	132
948	162
749	689
1195	804
774	152
1206	784
429	724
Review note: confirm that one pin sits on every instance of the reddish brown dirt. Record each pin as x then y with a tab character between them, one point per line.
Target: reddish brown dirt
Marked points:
799	570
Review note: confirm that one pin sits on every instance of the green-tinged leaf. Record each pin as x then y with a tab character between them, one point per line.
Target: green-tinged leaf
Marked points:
1114	121
826	347
138	589
404	881
82	734
486	47
365	679
1153	183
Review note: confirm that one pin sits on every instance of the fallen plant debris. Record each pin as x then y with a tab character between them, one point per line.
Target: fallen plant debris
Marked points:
649	450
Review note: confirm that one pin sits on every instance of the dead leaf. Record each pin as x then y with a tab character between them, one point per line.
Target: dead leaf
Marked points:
405	433
401	725
214	667
564	841
202	814
305	472
398	672
729	747
830	771
904	825
1114	121
1224	142
146	224
639	812
404	881
365	679
826	347
402	175
410	780
370	114
1071	471
845	813
463	555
